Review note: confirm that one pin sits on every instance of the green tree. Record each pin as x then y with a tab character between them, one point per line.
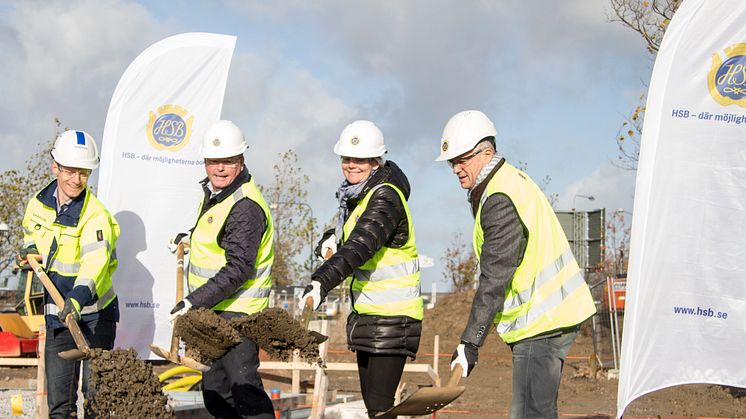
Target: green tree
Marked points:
294	221
460	265
16	188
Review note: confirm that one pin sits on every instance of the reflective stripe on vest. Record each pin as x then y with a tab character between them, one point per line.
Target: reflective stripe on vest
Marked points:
53	310
389	283
547	291
207	258
74	255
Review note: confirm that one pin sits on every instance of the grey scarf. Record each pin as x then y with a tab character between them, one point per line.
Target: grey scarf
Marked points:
486	169
346	192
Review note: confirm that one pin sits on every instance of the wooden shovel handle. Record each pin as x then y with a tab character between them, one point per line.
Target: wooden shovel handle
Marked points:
179	294
455	376
305	316
75	331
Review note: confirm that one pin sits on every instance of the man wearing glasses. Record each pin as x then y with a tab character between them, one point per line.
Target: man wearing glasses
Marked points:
76	237
530	285
229	271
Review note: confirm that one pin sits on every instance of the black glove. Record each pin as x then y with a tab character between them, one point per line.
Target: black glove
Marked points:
465	354
71	307
180	308
23	255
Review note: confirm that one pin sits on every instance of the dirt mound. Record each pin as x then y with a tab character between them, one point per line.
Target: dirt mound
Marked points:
206	335
447	319
278	334
125	387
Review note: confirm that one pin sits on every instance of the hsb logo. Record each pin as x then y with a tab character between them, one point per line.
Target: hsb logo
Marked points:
726	80
170	129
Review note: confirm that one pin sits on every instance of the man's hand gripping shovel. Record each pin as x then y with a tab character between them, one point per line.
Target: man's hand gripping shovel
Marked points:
83	350
173	354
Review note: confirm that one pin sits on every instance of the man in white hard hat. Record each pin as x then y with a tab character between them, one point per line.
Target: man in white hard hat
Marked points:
76	238
530	285
230	269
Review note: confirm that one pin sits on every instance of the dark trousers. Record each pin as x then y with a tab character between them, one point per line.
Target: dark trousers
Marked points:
379	377
232	388
63	375
537	370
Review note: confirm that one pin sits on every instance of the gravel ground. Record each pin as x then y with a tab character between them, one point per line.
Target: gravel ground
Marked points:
29	401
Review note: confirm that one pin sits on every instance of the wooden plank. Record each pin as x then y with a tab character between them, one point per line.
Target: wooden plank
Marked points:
20	362
42	409
295	386
334	366
321	382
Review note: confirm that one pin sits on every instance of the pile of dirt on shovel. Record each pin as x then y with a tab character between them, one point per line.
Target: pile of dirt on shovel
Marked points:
208	336
124	386
278	334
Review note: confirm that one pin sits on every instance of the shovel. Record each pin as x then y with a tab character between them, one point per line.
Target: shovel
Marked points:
428	400
83	350
305	318
173	354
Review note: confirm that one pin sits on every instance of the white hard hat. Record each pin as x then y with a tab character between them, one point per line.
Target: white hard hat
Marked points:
223	139
463	132
361	139
75	149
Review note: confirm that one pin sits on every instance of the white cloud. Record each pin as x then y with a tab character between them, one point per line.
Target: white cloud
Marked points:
611	187
63	59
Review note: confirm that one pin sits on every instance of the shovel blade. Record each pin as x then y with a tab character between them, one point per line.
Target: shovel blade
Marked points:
163	353
176	359
73	355
425	401
318	337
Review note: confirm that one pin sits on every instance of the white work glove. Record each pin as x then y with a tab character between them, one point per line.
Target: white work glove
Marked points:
312	290
327	246
180	308
466	355
180	238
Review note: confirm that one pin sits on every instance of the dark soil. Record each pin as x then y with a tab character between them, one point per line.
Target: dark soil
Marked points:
279	335
206	335
125	387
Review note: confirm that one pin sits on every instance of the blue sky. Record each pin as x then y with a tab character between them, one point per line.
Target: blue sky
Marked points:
555	76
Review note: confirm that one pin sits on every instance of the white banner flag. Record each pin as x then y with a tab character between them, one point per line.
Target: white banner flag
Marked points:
150	168
686	290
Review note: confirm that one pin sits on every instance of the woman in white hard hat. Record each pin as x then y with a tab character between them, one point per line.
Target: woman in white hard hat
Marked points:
378	253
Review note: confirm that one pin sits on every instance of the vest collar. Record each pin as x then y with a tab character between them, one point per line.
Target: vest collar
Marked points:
69	218
242	178
476	194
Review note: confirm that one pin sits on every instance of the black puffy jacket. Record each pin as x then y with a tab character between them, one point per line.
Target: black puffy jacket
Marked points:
383	223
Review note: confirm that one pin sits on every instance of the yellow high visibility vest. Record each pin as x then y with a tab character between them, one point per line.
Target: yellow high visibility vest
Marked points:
206	257
547	291
389	283
83	254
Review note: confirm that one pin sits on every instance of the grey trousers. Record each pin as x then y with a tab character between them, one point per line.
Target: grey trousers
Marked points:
537	369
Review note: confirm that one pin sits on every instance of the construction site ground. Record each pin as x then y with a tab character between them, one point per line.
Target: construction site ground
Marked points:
488	390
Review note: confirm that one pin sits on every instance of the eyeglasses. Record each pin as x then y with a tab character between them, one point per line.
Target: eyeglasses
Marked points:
463	161
70	172
230	162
